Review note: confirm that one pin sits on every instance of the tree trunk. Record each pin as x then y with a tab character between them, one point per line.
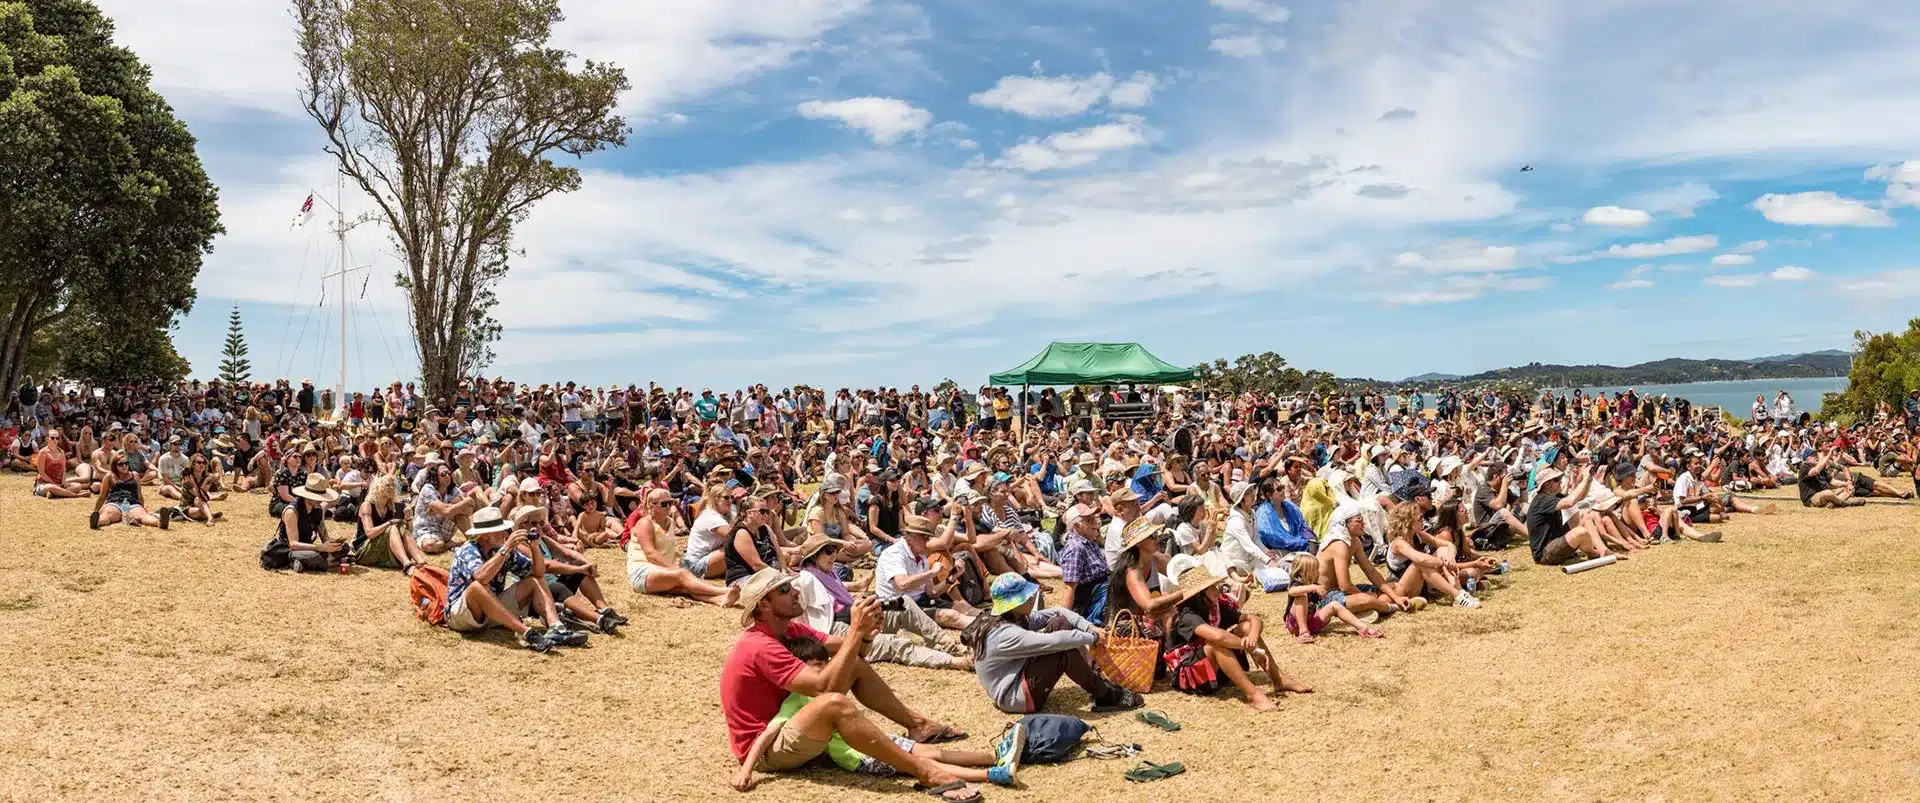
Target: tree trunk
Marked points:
16	341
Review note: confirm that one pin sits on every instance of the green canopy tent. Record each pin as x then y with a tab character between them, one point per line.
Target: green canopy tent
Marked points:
1089	363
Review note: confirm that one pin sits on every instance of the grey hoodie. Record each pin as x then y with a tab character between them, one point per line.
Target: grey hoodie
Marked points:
1009	648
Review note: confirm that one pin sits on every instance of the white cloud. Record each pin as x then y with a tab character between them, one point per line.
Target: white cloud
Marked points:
1903	182
1040	96
1792	273
1073	148
1907	172
1892	285
1729	260
1247	45
1733	280
1665	248
1630	284
1272	13
1750	246
1453	289
1676	201
1821	208
886	120
1561	228
1460	256
1617	217
1134	92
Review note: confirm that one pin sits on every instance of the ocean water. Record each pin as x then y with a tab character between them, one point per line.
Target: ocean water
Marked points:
1737	396
1734	396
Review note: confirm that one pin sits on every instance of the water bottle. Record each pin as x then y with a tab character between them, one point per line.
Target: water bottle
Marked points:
1470	584
1504	568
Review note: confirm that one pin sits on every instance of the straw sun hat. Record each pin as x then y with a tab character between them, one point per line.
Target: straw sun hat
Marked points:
318	488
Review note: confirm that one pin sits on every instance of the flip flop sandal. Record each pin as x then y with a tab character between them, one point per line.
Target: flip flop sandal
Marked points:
1370	633
942	790
946	734
1109	752
1158	719
1146	771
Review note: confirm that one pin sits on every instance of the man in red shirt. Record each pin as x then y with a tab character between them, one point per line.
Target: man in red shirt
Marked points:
759	673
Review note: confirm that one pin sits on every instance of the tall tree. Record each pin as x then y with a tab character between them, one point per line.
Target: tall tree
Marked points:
105	211
234	367
449	114
1886	367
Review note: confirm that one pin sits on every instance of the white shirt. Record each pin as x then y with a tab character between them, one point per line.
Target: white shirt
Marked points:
896	561
1115	540
709	533
1684	487
1240	546
1783	407
570	408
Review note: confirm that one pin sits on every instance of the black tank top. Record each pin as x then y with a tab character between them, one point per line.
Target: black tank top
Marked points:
373	512
737	568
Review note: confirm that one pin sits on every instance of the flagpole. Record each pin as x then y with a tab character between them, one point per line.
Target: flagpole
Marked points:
340	229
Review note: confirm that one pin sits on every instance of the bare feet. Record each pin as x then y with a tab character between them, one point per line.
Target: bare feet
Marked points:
1261	702
1295	687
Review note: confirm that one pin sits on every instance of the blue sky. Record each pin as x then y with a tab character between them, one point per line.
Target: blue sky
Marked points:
881	191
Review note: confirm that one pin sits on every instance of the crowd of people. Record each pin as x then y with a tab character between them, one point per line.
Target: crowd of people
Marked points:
925	528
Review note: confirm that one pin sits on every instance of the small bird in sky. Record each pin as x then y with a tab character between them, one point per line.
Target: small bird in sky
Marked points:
1526	168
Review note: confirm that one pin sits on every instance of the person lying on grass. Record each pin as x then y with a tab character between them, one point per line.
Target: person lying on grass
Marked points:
1000	767
1020	651
1210	638
1310	608
760	672
479	598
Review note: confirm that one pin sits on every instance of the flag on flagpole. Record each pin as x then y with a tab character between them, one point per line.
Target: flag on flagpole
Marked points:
306	214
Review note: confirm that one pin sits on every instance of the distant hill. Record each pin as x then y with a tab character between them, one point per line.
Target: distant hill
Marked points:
1792	357
1670	371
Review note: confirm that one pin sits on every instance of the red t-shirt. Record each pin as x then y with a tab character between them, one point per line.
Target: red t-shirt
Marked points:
753	681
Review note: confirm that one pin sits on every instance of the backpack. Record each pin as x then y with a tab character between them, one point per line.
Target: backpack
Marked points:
276	555
427	593
1052	738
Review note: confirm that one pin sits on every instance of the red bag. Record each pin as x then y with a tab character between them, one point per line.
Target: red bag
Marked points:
427	592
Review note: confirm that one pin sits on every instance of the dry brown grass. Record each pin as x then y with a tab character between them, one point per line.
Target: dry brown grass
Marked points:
167	666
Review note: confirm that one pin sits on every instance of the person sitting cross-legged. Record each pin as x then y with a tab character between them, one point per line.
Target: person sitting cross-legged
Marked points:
478	596
759	673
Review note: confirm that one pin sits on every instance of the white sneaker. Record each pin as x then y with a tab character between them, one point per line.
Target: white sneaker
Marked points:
1466	600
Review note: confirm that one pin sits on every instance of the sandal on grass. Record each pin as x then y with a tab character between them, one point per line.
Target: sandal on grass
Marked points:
952	786
1146	771
945	734
1158	719
1109	752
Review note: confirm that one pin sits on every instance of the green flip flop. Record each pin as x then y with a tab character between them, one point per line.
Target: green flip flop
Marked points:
1158	719
1146	771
